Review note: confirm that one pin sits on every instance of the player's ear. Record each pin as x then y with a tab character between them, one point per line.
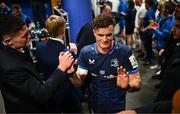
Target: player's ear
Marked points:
7	40
94	31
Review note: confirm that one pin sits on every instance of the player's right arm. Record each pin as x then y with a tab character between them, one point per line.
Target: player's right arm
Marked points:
82	69
79	77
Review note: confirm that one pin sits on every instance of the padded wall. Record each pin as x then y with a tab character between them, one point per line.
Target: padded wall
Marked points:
80	12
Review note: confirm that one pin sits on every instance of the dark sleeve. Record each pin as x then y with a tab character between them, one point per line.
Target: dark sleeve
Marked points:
109	3
28	20
27	84
170	83
116	16
79	34
165	31
85	36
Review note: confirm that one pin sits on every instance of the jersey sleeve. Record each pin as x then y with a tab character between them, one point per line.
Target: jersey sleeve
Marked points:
123	7
131	64
82	62
150	15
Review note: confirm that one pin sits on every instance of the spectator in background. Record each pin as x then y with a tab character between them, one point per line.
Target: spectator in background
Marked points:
148	33
85	35
139	24
66	98
106	9
101	3
39	9
4	9
22	87
171	80
163	29
122	11
160	10
130	23
17	11
167	100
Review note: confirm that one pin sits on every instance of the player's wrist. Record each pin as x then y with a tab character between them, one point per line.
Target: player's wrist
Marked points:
128	87
62	68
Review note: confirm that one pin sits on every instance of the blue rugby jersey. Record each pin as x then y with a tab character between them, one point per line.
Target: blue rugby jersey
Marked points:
150	14
101	66
164	31
122	8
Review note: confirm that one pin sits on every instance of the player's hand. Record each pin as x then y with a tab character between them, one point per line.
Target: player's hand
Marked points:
72	68
161	52
127	112
155	26
72	47
65	60
122	78
123	34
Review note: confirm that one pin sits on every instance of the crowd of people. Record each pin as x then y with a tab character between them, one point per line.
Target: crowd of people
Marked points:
16	11
99	62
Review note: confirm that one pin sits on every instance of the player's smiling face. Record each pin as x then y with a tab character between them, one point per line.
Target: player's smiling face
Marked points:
104	38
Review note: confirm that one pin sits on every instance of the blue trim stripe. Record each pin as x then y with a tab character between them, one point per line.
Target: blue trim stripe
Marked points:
133	71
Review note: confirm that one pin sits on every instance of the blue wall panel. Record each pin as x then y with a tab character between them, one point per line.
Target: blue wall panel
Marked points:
80	12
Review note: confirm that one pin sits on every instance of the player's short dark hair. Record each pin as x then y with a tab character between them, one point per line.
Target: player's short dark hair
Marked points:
131	4
150	2
177	12
103	21
177	17
10	25
170	7
16	6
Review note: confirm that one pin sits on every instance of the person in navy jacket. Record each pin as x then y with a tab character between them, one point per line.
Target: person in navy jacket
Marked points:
67	98
149	19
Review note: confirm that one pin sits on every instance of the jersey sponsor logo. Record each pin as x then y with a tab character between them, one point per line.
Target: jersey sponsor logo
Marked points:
104	76
95	75
115	62
102	72
133	61
91	61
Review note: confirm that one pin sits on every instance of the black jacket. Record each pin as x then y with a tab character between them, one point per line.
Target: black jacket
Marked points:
21	86
85	36
171	78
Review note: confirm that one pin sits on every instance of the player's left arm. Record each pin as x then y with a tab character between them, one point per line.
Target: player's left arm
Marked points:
134	74
134	82
128	80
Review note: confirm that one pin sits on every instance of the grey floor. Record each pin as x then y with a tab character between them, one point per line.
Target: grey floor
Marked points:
147	93
2	110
